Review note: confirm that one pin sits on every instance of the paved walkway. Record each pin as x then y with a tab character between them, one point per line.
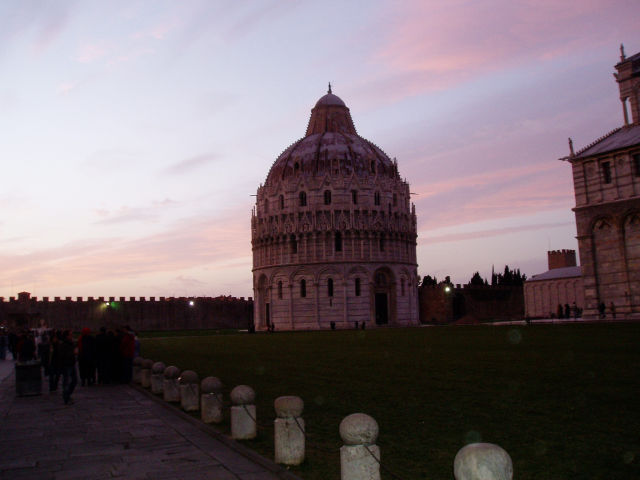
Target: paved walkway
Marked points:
114	432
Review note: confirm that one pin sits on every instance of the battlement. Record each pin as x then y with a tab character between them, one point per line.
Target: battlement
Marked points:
154	313
561	258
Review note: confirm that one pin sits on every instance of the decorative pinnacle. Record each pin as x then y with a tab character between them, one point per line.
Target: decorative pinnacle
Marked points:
329	91
571	146
623	57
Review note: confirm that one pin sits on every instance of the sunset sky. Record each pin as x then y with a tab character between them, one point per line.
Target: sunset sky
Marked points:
133	133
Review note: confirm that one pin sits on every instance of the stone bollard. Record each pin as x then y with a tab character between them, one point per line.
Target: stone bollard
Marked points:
243	413
170	390
137	366
211	400
189	391
145	373
359	433
482	461
289	440
157	377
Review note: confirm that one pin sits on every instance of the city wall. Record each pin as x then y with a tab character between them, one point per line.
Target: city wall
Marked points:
470	303
154	313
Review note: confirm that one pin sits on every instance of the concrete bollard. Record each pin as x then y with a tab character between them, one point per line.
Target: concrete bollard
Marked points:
137	366
211	405
243	413
170	390
289	439
145	373
482	461
189	391
157	377
359	433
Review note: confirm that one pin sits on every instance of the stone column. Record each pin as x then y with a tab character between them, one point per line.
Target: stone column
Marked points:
189	391
211	400
482	461
145	373
170	390
137	366
157	377
289	439
359	456
243	413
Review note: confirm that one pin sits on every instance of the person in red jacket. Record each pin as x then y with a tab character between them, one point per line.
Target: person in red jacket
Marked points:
127	352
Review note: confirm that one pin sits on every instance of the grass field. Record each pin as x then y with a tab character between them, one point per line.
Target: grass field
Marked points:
563	400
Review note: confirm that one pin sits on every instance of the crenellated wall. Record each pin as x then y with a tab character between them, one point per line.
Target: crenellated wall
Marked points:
141	314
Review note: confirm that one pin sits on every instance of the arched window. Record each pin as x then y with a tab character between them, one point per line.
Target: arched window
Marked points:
382	243
376	198
303	288
280	290
296	167
330	287
395	200
402	287
303	199
338	242
281	202
373	166
357	287
266	206
354	197
327	197
294	244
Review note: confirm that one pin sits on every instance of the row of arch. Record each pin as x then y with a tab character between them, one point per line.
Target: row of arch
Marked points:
310	298
328	199
336	245
615	253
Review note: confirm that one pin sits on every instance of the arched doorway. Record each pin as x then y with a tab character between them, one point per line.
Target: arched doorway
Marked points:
384	299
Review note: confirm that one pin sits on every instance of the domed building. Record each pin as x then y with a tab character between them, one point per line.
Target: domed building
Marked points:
333	232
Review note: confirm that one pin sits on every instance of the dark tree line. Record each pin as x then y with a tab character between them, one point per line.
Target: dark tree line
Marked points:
509	278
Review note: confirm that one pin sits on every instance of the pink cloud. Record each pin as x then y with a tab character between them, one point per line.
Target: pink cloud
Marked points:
188	244
158	31
90	52
430	46
496	232
493	196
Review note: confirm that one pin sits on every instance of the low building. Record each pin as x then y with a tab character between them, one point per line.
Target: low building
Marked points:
559	286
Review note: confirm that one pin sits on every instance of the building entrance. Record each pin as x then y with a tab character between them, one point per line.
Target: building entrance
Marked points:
382	309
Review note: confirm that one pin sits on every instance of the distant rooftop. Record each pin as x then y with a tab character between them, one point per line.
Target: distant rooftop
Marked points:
557	273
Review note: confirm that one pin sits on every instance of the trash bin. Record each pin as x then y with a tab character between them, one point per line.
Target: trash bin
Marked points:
28	378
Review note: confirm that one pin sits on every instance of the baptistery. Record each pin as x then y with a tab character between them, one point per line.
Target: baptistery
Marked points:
333	233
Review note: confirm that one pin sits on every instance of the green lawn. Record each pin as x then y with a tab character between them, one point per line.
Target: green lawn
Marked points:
564	401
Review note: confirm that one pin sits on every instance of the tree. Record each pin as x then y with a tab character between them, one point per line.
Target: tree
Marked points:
476	279
508	277
427	280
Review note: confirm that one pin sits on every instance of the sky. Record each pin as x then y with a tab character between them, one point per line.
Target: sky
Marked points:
133	134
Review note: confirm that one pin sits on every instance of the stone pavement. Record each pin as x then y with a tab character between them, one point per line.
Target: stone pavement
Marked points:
115	432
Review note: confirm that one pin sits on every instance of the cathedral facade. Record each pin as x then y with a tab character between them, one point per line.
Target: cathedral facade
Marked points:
606	178
333	233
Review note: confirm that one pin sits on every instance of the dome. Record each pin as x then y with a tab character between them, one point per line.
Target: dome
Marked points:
331	147
330	99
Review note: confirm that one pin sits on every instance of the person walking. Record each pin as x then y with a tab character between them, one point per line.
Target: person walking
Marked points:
87	357
44	353
55	367
68	363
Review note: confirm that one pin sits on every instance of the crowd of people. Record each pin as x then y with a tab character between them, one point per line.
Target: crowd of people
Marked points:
104	358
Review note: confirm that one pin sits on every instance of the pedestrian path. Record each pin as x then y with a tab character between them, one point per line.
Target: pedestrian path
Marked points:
114	432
